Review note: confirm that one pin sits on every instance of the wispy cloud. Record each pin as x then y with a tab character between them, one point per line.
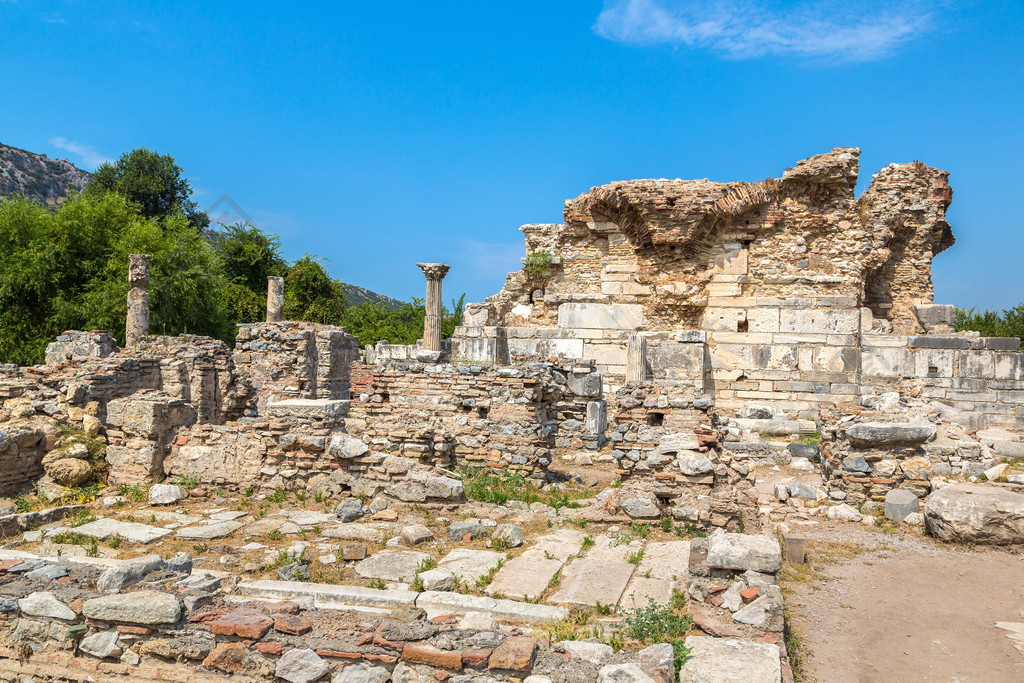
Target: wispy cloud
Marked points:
87	155
54	18
852	31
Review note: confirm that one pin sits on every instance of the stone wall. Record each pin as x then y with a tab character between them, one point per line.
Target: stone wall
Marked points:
501	417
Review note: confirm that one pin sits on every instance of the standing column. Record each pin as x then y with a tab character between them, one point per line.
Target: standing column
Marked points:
435	272
636	359
275	299
136	326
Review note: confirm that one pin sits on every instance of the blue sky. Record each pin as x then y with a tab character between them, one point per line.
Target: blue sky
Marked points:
382	134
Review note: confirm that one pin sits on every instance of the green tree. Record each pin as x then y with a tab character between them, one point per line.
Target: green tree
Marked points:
248	255
153	182
1009	323
311	294
67	270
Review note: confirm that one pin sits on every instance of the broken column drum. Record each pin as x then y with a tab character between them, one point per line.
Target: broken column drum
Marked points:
636	359
435	273
137	322
275	299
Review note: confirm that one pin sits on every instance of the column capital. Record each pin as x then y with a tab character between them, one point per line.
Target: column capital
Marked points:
434	271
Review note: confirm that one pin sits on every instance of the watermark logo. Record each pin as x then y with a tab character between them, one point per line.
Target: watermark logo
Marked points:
226	211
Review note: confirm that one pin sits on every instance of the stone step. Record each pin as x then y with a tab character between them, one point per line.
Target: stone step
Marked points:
327	594
437	603
600	576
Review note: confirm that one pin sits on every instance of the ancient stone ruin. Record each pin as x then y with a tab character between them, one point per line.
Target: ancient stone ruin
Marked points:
679	336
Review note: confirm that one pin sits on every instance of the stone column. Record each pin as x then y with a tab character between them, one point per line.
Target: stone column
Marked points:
136	326
636	359
435	272
275	299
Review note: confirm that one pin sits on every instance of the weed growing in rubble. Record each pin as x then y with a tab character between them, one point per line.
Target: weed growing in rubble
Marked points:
666	524
274	535
377	584
186	482
82	517
94	548
499	488
691	530
115	541
485	580
578	522
603	609
658	624
417	584
426	565
538	264
635	557
278	496
588	541
132	493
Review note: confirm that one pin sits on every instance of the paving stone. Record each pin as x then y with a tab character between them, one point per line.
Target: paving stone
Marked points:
527	576
205	532
268	525
391	565
355	532
469	565
516	653
728	660
44	604
140	607
601	575
437	603
663	567
103	644
47	572
133	532
307	519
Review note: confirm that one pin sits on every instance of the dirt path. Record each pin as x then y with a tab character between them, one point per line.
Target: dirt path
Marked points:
907	609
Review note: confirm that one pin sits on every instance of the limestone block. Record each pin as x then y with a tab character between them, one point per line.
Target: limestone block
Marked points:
721	659
980	364
976	514
820	321
597	418
1009	366
588	385
763	320
321	408
605	354
675	360
935	316
886	362
731	357
933	363
149	415
601	316
722	319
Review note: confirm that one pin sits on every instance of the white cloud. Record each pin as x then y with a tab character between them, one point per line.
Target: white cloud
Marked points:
855	30
87	155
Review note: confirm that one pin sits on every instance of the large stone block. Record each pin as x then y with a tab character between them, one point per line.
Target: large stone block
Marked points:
820	321
763	320
1009	366
976	514
980	364
601	316
674	360
742	552
149	415
933	363
311	409
886	362
723	319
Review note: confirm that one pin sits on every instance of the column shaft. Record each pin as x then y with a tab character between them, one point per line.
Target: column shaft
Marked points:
275	299
136	327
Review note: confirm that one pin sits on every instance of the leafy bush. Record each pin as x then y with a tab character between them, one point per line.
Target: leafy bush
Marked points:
1009	323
